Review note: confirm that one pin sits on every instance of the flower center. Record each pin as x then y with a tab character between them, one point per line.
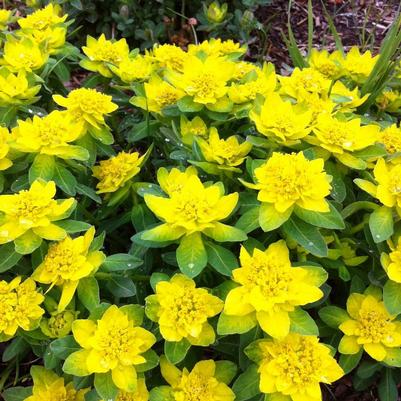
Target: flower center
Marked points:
30	207
374	326
204	86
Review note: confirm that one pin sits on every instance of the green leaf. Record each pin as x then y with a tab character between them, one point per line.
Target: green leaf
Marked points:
63	347
225	371
333	316
306	235
73	226
156	278
89	192
388	387
42	168
88	292
187	105
8	257
162	393
392	297
381	224
65	180
17	393
221	259
152	360
249	221
235	324
302	323
247	384
176	351
18	346
349	362
121	262
121	287
134	312
367	369
191	255
104	386
270	218
27	243
331	219
102	134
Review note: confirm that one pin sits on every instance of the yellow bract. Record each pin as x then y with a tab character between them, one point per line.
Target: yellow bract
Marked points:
330	65
50	135
216	48
16	89
5	16
280	120
269	288
226	153
102	53
390	137
134	69
44	18
216	13
66	262
169	56
31	213
173	181
19	306
295	366
47	386
199	384
59	324
117	171
112	344
87	106
5	137
392	262
182	311
370	327
141	393
195	208
286	180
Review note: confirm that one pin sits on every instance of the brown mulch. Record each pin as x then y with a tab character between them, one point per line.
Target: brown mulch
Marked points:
358	22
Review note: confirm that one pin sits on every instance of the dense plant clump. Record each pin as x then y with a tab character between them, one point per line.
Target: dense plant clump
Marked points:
184	225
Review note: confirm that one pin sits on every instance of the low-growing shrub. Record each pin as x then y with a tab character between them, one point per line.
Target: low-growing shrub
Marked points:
186	225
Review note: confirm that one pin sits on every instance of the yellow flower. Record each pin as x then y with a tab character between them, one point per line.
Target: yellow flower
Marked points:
388	188
203	383
5	16
29	214
392	262
174	181
18	88
226	153
134	69
23	54
192	210
359	66
115	344
205	80
59	324
5	137
44	18
280	120
158	95
270	288
49	135
19	306
327	64
115	172
264	83
389	100
216	13
47	386
316	104
87	106
141	393
341	138
286	180
191	129
170	56
101	53
66	262
51	38
292	368
370	327
307	79
182	311
216	48
390	137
